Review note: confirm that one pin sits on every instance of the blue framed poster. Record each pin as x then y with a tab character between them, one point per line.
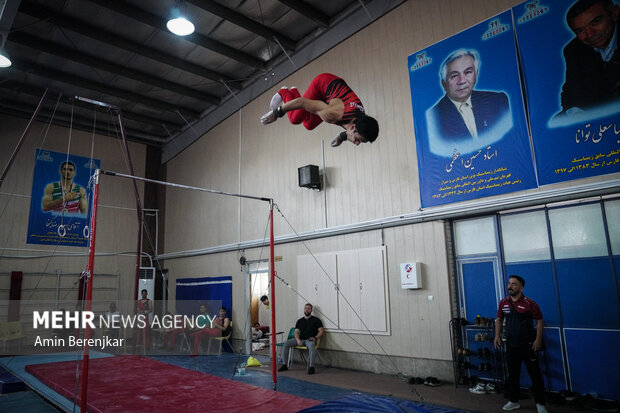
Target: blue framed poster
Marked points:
59	206
469	117
573	94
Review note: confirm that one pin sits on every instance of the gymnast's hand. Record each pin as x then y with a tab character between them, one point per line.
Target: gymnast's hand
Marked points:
268	118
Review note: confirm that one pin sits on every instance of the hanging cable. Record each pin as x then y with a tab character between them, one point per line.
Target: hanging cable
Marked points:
61	230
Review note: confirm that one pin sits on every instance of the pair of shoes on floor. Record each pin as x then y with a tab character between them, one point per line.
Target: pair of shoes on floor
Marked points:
432	381
311	370
482	388
283	368
415	380
512	406
479	388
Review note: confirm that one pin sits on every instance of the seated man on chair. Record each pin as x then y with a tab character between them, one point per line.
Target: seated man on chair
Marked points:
307	331
219	327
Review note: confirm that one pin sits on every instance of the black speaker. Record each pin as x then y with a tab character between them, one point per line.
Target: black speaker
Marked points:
309	177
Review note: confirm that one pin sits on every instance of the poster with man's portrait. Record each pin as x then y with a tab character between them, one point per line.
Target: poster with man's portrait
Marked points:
571	67
59	206
469	117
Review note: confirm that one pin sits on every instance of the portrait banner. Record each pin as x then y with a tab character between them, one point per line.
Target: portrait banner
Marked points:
573	94
59	206
469	117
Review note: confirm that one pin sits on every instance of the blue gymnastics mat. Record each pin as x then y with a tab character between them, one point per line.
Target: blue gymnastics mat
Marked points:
364	403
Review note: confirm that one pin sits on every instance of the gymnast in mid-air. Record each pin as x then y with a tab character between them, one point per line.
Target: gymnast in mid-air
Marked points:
328	99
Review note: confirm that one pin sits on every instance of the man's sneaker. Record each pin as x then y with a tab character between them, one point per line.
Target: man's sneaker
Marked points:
283	368
276	101
511	406
478	389
541	408
311	370
490	388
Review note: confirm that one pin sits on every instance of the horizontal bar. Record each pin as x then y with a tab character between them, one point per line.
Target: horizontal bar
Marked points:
195	188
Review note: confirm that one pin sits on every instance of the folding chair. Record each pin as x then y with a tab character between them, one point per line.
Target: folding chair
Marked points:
221	339
291	334
291	352
184	341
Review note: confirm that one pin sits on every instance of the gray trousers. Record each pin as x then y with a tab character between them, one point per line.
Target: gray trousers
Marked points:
288	344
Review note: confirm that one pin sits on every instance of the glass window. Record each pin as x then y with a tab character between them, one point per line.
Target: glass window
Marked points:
475	236
578	231
612	213
524	237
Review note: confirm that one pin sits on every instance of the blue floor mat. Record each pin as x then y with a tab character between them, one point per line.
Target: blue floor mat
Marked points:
17	366
224	365
365	403
25	401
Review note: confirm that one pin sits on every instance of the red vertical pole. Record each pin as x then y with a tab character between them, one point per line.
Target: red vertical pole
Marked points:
274	360
89	292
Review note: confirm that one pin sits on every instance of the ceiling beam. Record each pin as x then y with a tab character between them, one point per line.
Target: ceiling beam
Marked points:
245	22
44	13
18	88
8	11
71	79
19	109
45	46
153	20
307	11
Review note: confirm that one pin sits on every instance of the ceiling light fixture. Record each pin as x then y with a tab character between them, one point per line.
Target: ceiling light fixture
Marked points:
178	23
5	61
180	26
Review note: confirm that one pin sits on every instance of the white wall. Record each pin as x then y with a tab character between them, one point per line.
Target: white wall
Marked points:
364	183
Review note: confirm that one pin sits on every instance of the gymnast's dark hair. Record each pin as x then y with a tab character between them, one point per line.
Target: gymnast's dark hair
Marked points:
518	278
67	163
583	5
367	127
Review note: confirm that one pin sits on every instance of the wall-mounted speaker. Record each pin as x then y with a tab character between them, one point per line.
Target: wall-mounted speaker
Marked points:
309	177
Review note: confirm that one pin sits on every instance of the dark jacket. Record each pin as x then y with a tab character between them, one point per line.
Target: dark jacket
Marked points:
590	81
488	108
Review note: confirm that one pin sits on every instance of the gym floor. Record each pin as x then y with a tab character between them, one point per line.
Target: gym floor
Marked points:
333	383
